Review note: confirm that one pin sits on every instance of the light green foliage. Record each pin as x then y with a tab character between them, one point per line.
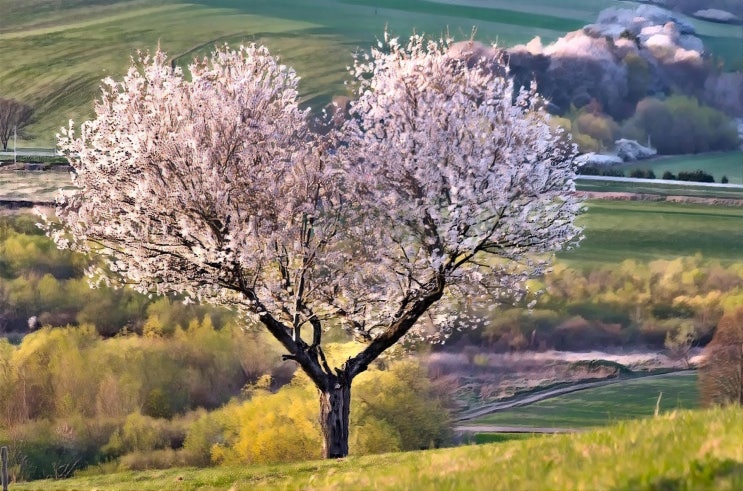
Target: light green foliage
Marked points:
94	390
680	339
680	125
638	77
662	301
280	427
398	409
394	409
597	127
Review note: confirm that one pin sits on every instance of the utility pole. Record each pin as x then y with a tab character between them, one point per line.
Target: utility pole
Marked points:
15	138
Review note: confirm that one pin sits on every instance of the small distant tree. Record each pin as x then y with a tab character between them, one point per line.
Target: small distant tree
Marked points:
721	374
14	117
211	185
680	340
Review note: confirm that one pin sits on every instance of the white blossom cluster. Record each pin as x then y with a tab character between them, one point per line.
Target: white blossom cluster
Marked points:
210	183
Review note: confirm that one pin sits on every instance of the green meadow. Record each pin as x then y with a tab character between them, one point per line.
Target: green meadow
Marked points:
602	406
647	230
53	54
680	450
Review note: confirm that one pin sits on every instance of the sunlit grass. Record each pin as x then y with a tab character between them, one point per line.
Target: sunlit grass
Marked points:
679	450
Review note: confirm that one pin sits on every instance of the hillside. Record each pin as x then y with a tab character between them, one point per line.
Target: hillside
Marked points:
53	54
684	450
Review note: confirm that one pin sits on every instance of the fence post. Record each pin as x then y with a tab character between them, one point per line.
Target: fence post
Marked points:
4	457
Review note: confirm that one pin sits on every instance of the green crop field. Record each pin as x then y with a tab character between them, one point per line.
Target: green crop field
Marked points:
602	405
53	54
645	230
653	187
681	450
729	164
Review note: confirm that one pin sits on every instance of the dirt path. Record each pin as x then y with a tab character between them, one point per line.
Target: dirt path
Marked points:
531	398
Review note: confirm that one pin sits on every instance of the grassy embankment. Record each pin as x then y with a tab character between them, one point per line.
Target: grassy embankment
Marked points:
632	399
680	450
53	55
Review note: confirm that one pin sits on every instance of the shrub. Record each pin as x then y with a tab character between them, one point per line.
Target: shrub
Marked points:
695	176
680	125
600	170
642	174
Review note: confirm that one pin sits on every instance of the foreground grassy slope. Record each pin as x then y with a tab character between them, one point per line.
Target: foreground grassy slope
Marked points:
685	450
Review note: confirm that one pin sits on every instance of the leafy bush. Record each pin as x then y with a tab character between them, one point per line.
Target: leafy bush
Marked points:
600	170
394	409
642	174
680	125
695	176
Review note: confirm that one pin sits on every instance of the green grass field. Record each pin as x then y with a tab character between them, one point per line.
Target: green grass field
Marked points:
53	54
678	451
603	405
652	187
728	164
645	231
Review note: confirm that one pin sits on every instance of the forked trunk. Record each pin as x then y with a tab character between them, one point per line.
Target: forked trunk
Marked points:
335	405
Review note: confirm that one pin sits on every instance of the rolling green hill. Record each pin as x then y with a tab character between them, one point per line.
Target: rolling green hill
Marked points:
679	451
53	53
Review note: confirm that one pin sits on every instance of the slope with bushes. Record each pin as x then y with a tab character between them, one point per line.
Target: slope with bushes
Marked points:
681	450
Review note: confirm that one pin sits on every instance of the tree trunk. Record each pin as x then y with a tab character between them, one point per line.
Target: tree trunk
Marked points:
335	405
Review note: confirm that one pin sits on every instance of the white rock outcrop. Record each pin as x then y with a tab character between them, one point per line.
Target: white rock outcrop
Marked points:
593	158
630	150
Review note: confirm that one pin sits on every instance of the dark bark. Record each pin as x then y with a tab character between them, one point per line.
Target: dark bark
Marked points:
335	407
